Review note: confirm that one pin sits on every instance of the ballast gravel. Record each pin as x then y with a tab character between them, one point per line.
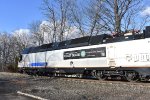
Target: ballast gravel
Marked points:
64	89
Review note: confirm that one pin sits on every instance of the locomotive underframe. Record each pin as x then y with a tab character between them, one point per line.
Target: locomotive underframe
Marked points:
130	74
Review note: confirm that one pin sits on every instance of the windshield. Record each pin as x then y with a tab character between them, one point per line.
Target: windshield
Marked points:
26	51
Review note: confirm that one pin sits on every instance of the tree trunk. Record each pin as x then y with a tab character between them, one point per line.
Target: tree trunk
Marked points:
117	18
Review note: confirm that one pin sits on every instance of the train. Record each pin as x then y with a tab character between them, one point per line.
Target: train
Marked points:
101	56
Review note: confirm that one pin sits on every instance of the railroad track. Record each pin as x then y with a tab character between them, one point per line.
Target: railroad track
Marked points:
95	81
141	84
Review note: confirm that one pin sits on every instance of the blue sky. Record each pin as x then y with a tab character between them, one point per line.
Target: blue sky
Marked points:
16	14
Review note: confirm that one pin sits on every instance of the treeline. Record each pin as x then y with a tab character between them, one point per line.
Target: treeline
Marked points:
10	49
70	19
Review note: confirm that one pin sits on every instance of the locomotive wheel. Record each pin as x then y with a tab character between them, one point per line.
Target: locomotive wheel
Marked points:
101	76
86	74
23	72
132	76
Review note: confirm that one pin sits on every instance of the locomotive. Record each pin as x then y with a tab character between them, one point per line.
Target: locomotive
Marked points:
101	56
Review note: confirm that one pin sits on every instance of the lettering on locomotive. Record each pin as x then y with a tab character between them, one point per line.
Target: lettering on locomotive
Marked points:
85	53
141	57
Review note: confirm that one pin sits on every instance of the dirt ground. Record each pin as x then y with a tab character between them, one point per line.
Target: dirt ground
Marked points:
8	88
65	89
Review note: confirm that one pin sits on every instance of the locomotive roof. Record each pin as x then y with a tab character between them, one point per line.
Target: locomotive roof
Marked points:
83	41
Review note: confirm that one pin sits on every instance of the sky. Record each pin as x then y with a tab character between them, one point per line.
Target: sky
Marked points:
16	14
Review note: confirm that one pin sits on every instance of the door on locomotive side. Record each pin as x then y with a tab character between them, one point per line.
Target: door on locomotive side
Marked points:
111	56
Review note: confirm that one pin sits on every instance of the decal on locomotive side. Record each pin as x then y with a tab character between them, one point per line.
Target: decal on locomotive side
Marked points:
85	53
38	64
141	57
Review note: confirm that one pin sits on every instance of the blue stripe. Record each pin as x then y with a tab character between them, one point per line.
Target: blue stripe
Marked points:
39	64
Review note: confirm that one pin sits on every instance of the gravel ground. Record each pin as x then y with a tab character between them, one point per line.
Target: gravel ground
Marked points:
64	89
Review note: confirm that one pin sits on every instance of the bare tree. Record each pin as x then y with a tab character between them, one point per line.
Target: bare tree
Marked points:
57	12
114	12
21	39
93	13
88	17
11	45
36	33
5	50
78	17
